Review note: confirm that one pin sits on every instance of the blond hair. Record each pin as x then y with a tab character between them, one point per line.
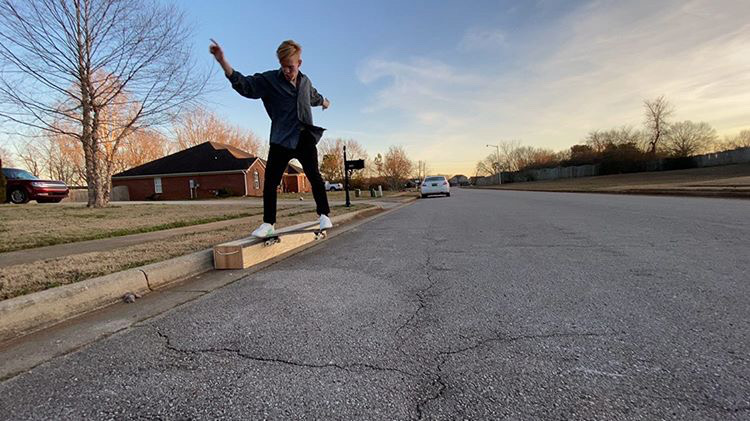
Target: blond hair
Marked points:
288	48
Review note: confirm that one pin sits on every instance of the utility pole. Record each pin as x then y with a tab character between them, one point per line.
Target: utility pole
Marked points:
497	157
346	180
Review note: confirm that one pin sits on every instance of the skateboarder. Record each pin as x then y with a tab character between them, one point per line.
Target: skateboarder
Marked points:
287	95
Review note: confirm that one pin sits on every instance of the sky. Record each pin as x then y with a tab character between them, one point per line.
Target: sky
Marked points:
444	79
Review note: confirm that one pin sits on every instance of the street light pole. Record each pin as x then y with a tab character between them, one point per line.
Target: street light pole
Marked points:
499	178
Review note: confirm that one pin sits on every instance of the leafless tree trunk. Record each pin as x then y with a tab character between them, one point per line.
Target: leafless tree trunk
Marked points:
657	112
68	63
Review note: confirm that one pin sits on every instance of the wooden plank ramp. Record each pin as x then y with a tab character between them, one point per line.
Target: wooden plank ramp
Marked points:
246	252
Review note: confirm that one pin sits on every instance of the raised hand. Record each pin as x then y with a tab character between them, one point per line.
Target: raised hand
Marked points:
218	54
216	50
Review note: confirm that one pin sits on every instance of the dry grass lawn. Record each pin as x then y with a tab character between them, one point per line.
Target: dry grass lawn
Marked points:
34	225
23	279
732	176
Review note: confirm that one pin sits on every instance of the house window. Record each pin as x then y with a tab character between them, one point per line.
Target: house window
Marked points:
256	179
157	185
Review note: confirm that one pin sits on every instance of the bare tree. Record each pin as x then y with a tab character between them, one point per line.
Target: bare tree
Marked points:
66	62
5	158
741	140
490	165
331	152
54	156
64	160
396	166
422	170
511	156
600	140
597	141
508	158
686	138
531	157
657	112
141	147
31	156
199	125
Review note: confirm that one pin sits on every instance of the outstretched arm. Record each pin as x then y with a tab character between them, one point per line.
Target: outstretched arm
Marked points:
218	54
248	86
317	99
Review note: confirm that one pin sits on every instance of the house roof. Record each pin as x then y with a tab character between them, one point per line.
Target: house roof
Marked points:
293	169
205	157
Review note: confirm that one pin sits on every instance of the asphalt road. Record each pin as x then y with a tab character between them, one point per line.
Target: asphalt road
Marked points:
484	305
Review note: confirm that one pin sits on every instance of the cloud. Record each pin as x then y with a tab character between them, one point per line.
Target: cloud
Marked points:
414	82
589	69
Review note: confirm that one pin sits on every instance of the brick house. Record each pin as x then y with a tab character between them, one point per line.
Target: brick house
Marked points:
204	171
295	180
200	172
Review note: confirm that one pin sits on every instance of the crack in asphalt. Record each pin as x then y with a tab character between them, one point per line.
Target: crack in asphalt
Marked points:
443	357
422	296
237	352
438	380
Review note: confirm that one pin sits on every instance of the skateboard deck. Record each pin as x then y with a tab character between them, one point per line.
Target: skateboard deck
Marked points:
318	234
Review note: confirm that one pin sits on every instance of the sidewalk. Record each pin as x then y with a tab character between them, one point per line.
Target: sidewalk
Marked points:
69	249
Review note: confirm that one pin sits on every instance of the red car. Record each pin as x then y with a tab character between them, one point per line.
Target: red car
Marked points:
24	186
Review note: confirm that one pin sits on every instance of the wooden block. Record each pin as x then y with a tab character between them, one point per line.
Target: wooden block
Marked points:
241	254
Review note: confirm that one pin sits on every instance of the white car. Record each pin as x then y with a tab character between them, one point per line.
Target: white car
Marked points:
334	186
435	185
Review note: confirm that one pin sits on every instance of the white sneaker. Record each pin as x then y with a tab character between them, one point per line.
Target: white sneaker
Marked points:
264	230
325	222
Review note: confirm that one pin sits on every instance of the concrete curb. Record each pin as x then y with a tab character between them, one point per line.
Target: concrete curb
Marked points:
162	273
28	313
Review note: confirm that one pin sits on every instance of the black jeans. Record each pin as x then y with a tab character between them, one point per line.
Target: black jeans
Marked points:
278	159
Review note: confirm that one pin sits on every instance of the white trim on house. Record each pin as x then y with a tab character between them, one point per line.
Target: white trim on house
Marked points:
257	161
244	178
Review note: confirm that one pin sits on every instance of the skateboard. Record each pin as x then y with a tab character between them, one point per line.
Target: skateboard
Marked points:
276	238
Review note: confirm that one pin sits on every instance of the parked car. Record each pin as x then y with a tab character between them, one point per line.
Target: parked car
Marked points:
334	186
435	185
24	186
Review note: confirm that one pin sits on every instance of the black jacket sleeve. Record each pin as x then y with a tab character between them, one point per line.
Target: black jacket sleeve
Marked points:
255	86
316	99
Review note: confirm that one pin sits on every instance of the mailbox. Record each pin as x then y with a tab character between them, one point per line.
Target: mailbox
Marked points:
356	164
